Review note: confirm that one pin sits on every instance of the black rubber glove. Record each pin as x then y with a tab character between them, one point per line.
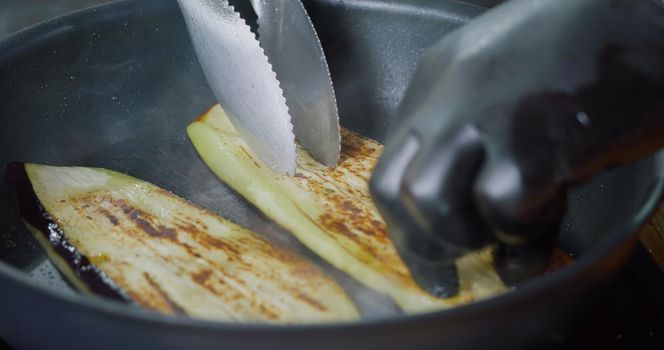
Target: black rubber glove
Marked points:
507	113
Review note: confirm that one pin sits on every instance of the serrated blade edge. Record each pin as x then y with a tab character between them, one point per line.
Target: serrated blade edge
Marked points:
291	43
242	79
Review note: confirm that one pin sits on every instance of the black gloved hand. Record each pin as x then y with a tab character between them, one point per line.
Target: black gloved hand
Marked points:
508	112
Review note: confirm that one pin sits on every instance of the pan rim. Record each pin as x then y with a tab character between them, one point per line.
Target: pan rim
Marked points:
125	312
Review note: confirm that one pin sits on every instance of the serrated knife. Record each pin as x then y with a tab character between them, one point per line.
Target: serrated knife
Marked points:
247	77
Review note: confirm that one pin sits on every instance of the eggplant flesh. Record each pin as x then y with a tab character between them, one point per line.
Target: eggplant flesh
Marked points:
118	236
331	211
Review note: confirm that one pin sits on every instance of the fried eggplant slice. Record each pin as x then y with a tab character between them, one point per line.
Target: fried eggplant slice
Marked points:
331	212
116	235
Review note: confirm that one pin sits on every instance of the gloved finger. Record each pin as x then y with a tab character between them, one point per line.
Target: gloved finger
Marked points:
425	195
518	263
430	264
525	209
523	198
385	181
437	189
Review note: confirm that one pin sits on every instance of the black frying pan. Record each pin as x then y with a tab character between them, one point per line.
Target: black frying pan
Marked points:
115	86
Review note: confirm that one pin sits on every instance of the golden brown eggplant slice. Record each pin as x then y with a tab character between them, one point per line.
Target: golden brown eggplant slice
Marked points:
113	234
331	212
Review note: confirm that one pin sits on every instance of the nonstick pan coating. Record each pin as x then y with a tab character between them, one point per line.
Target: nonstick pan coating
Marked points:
115	86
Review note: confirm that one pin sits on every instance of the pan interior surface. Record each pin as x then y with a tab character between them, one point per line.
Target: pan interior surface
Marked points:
116	86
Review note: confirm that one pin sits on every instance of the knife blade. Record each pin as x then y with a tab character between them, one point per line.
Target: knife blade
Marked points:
289	39
268	83
242	80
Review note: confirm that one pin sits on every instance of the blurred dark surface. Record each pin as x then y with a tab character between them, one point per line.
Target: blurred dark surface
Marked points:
18	14
630	318
632	314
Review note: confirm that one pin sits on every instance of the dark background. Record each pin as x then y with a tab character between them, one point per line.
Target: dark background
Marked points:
631	316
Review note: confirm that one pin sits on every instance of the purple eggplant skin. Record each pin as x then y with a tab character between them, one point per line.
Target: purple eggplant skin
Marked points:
35	215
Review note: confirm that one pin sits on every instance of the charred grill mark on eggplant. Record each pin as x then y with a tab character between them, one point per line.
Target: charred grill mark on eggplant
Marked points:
175	309
36	216
166	254
329	210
